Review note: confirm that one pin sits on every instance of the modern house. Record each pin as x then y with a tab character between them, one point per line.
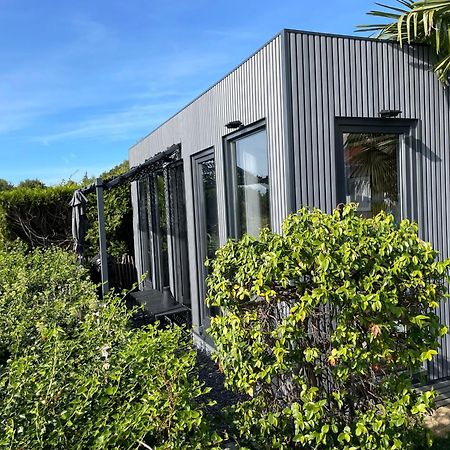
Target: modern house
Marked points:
309	119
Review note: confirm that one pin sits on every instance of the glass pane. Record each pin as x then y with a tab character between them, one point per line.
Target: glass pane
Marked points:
371	171
252	175
180	248
208	173
144	215
162	221
211	220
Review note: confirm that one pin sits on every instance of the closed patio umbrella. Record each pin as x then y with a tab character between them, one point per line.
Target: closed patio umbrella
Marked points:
79	221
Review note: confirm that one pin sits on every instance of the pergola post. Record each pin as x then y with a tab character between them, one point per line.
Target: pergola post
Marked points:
102	236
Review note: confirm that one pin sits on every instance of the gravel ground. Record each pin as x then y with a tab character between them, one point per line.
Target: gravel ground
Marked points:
210	374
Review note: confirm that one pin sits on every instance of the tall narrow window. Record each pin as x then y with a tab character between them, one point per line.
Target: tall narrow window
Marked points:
206	219
208	176
144	225
249	182
160	192
178	233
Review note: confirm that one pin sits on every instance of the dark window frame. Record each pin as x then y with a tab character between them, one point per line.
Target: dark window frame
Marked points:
200	227
229	159
402	127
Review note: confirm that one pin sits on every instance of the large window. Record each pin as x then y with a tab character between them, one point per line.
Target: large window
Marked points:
371	171
248	181
206	218
368	163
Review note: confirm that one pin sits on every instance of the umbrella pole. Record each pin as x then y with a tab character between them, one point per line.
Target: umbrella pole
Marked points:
102	236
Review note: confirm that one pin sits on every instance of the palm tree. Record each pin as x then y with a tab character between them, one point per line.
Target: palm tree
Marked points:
426	21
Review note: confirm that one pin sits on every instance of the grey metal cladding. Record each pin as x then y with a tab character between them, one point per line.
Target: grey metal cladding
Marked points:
335	76
251	92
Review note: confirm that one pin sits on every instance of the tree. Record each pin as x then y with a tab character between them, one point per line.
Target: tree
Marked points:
5	185
31	184
426	21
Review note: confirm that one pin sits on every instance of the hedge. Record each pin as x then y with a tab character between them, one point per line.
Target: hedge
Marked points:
75	375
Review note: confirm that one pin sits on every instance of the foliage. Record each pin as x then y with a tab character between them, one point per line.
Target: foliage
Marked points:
321	327
74	375
118	217
41	216
5	185
426	21
31	184
38	216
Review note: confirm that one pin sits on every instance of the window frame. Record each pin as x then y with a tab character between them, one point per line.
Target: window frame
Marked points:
229	158
402	127
199	224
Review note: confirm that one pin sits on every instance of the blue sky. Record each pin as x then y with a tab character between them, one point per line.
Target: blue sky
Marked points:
82	81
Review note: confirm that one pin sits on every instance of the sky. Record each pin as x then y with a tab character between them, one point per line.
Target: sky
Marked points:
82	81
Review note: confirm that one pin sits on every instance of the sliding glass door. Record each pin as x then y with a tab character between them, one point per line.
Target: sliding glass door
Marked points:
164	253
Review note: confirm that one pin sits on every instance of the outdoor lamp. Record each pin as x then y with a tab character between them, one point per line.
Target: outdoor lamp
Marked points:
388	113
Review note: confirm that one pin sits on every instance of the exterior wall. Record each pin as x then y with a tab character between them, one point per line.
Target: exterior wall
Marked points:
333	76
251	92
300	83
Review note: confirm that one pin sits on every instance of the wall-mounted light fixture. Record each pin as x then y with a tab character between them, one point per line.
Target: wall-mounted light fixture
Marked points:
389	113
234	124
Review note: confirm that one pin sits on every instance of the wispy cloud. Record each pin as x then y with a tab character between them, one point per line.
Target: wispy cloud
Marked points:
114	126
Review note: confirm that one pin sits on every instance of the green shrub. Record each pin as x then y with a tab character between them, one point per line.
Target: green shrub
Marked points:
39	216
75	375
118	217
322	326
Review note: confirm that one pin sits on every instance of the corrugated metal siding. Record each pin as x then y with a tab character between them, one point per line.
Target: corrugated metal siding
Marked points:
251	92
344	77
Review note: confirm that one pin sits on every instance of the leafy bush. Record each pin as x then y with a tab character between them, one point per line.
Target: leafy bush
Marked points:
41	217
74	375
38	216
118	217
5	185
322	326
31	184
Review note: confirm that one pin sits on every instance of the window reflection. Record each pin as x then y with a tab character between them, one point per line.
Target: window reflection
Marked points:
144	217
371	171
252	176
162	222
208	174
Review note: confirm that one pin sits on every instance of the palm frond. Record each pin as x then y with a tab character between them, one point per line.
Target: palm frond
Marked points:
424	21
